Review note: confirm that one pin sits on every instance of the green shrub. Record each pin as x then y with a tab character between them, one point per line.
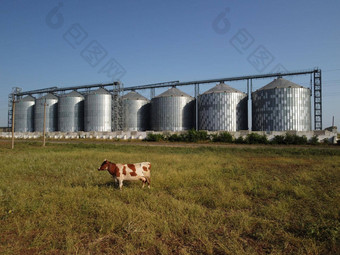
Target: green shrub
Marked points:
289	139
325	141
175	138
239	140
223	137
314	140
295	139
300	139
194	136
155	137
278	139
254	138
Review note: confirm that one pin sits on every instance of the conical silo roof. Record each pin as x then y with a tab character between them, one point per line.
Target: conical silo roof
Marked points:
221	88
133	95
49	96
173	92
280	83
100	91
26	99
73	94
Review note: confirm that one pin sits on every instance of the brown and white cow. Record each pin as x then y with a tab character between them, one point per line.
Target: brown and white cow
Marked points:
129	172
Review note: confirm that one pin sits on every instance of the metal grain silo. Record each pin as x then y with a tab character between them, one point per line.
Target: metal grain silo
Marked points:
223	108
71	112
51	113
136	110
281	105
172	110
98	111
24	114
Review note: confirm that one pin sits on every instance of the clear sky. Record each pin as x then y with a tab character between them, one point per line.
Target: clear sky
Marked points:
68	43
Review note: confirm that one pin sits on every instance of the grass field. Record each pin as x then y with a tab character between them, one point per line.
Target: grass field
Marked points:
206	200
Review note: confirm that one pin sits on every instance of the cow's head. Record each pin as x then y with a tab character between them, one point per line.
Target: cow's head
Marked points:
104	166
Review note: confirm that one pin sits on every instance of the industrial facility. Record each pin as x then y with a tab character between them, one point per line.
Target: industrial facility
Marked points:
280	105
71	112
24	112
223	108
172	110
98	112
46	113
136	112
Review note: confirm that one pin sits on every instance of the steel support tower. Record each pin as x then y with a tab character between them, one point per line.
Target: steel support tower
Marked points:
317	101
12	98
117	107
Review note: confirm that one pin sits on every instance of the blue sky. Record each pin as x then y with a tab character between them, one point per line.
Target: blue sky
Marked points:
154	41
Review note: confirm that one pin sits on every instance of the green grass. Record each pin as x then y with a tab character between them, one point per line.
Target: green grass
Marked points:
207	200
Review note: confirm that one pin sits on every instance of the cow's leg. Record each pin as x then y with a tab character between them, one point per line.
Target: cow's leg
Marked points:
120	184
143	179
148	181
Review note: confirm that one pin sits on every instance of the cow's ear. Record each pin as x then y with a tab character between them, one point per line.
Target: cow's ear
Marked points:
105	160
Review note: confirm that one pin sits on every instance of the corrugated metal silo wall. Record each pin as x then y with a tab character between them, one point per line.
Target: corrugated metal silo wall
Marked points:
172	113
51	115
98	112
136	115
281	109
24	116
71	114
223	111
